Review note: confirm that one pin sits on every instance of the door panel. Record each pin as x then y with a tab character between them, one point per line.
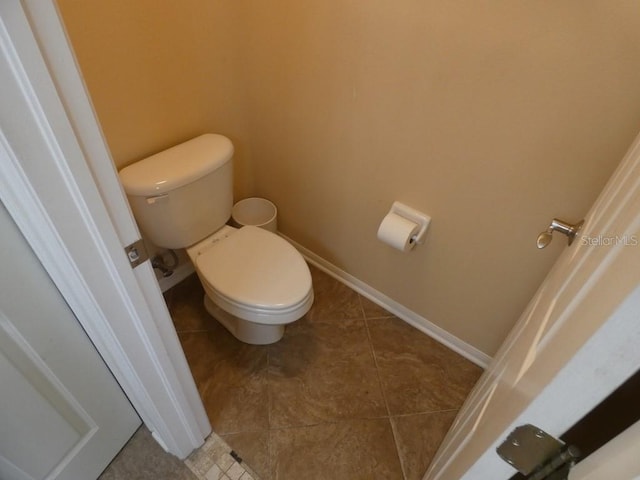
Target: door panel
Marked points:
62	414
575	343
35	392
48	132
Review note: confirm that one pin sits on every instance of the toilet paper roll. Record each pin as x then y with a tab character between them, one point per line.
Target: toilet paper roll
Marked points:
397	232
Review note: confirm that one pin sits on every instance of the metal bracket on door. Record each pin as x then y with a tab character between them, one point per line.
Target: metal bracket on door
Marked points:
535	453
136	253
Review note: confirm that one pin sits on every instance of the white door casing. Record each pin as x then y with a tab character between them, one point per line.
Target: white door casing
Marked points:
49	191
574	344
62	414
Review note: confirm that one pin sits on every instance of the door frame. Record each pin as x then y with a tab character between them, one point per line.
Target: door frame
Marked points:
51	151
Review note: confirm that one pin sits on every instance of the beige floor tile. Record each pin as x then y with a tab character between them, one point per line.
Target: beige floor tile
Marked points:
333	299
322	372
349	450
186	306
314	405
373	310
418	437
418	374
231	377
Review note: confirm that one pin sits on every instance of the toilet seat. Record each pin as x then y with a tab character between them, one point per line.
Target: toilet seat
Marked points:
257	276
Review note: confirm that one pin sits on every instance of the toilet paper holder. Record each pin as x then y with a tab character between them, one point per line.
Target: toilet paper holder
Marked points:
415	216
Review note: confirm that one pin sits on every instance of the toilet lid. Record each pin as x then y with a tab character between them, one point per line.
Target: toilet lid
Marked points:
255	267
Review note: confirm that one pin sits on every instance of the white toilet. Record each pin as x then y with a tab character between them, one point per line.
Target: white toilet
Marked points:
255	282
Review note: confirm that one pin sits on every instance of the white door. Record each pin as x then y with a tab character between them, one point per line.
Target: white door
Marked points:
62	414
574	344
47	134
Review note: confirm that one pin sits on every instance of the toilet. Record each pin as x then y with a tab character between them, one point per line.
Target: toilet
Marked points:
255	282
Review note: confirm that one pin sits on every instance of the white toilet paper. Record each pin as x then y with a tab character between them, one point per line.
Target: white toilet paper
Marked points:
397	232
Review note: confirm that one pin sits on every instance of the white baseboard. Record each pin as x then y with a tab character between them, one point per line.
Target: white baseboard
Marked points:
412	318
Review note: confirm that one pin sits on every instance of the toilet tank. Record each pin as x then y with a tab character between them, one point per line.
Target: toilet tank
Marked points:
181	195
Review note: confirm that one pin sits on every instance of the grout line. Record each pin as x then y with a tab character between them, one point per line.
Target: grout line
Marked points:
427	412
375	360
382	389
395	439
329	422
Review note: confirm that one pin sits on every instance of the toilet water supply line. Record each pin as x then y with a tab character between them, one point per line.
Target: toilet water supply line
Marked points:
158	262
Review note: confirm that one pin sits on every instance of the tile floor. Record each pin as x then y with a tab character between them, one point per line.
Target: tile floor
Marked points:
351	392
216	461
142	458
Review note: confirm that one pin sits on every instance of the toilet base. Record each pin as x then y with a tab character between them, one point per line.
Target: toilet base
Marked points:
244	330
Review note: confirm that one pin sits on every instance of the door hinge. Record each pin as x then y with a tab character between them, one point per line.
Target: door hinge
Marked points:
136	253
538	455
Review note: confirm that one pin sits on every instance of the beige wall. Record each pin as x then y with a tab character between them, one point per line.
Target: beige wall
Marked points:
160	72
492	117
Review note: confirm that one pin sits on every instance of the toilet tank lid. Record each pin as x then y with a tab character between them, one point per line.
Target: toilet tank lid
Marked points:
176	166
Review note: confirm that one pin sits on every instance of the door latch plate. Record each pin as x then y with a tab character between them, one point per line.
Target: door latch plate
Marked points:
136	253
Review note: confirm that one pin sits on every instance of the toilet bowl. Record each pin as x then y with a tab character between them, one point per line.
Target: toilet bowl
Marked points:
255	282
